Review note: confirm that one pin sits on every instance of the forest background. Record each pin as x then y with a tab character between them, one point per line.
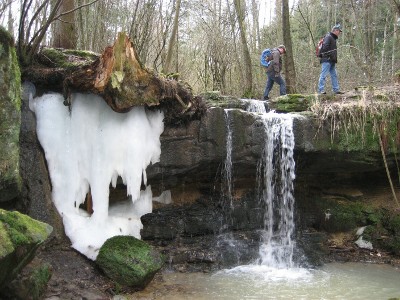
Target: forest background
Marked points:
216	44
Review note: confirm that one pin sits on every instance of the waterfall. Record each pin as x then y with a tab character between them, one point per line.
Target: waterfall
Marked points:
276	172
227	172
255	106
275	175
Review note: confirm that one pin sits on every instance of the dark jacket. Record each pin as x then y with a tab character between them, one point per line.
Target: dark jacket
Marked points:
329	48
275	66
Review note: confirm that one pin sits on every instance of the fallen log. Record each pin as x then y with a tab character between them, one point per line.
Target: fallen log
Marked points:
117	75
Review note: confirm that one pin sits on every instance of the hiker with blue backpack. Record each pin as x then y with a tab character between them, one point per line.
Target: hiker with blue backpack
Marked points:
272	61
328	59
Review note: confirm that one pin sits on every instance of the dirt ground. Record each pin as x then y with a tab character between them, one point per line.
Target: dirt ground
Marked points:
73	275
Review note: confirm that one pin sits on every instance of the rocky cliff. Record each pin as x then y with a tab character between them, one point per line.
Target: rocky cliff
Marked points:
341	184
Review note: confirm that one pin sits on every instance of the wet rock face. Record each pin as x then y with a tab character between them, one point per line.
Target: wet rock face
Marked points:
333	190
206	235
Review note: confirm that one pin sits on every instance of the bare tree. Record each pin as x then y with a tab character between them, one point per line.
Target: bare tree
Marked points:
240	12
38	17
290	71
172	40
64	31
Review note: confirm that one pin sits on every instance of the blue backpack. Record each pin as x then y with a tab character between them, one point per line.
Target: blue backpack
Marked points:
266	57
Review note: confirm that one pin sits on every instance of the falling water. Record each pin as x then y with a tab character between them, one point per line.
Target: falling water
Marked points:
227	176
276	170
255	106
275	175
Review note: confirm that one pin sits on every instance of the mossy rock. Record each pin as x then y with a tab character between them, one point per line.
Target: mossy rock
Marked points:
31	284
215	99
129	261
292	103
20	236
10	118
67	59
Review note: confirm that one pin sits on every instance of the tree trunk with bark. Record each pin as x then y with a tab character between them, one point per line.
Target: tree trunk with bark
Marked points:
172	40
290	71
64	33
240	11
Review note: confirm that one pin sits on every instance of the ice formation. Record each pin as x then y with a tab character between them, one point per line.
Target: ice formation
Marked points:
90	146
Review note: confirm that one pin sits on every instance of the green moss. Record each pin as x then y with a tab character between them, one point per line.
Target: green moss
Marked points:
67	59
20	238
347	216
356	130
129	261
87	55
341	215
22	229
383	230
10	118
215	99
38	280
356	138
5	241
393	223
292	103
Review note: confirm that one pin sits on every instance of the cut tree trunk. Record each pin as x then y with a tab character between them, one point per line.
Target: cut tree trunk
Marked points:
117	75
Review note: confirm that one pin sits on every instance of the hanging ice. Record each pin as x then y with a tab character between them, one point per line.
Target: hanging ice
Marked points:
90	146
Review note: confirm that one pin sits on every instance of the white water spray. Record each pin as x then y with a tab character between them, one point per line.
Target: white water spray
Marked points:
255	106
277	174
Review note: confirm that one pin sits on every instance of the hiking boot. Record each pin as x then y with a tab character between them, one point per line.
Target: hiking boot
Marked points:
266	98
322	93
339	93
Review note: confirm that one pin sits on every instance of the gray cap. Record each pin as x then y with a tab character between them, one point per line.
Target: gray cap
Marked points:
337	27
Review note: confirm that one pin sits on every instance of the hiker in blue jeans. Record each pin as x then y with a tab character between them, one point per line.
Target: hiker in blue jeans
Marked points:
274	72
328	60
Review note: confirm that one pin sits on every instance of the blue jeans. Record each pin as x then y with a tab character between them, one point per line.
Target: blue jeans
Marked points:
270	83
327	67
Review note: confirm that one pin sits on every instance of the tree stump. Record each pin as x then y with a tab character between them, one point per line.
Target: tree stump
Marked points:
117	75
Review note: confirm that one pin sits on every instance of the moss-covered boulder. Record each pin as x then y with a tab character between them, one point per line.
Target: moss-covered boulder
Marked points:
129	261
10	118
31	283
216	99
292	103
20	237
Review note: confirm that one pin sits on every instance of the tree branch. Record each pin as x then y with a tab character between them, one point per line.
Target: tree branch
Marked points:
75	9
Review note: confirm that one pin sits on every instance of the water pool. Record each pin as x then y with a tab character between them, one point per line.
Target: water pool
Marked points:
333	281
